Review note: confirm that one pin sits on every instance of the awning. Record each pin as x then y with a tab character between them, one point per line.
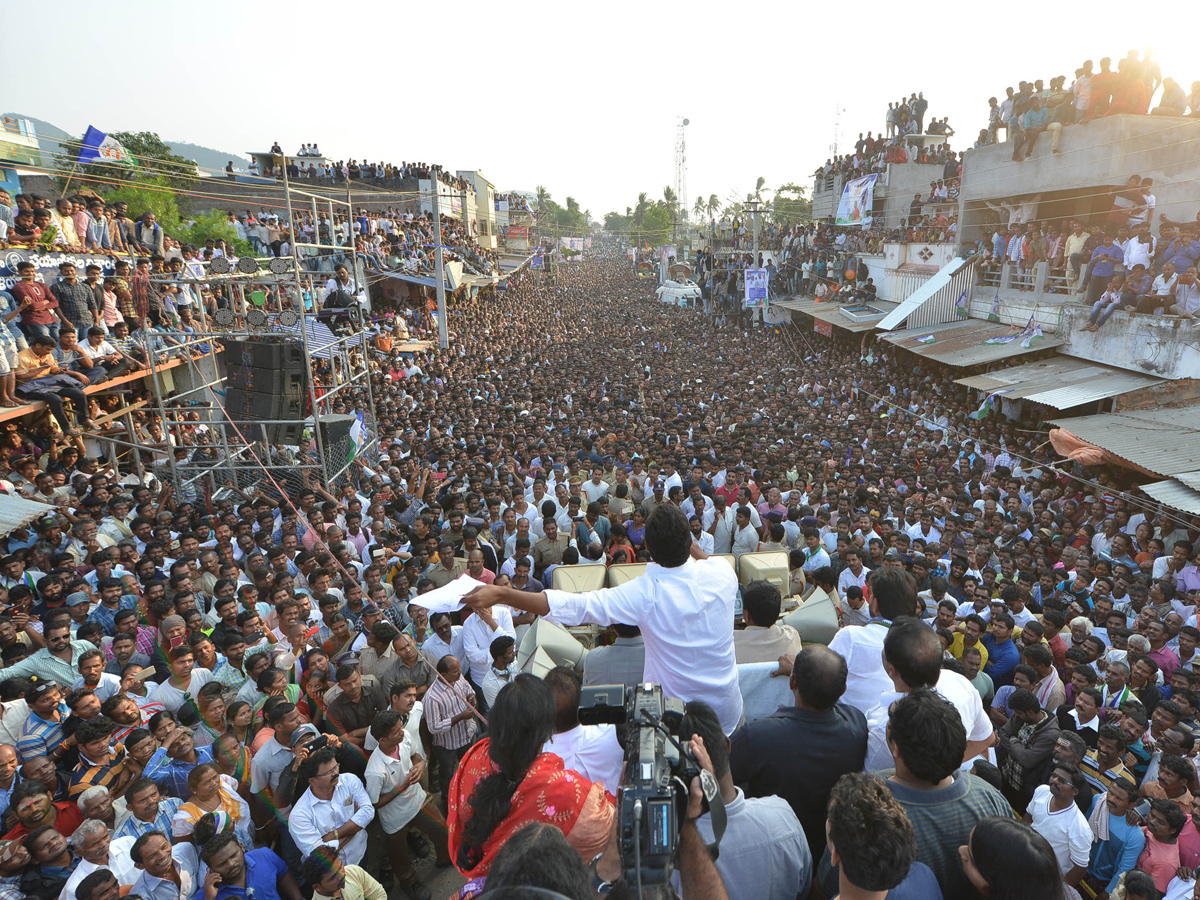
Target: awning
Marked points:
454	276
913	301
962	343
1165	441
1061	382
16	512
320	338
1175	494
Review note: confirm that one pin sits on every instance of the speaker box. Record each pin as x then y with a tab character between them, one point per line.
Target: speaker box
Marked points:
335	430
267	380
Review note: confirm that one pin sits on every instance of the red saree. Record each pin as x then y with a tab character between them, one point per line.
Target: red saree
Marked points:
548	793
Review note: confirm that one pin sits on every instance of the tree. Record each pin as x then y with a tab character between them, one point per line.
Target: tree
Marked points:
791	205
639	211
213	225
698	208
147	195
758	188
714	206
542	196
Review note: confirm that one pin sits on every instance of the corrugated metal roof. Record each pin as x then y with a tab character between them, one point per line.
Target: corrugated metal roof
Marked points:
1174	494
1163	440
16	511
1060	382
961	343
913	301
1191	479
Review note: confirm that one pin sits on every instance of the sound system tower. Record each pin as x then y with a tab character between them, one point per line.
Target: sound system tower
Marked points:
266	380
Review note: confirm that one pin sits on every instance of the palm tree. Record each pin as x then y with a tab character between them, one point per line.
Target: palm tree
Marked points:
639	211
670	199
758	188
698	208
714	206
542	196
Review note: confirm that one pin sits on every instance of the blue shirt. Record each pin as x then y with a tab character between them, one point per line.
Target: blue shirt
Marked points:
106	618
1119	853
1104	260
1183	254
919	884
171	775
1002	659
264	868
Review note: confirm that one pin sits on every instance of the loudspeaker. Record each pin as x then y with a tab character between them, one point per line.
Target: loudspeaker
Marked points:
335	430
267	380
547	644
816	620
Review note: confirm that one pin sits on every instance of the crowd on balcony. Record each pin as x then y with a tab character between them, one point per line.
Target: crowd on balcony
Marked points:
353	171
1035	109
245	695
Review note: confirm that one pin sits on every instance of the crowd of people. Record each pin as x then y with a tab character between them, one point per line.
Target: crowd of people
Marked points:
320	169
1034	109
244	694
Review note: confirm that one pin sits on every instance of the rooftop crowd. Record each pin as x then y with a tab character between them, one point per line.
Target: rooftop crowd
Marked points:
308	163
210	699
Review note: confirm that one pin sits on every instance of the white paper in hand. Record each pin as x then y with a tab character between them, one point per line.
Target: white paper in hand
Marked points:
448	598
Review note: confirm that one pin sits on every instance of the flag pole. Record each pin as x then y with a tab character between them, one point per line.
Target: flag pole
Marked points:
74	169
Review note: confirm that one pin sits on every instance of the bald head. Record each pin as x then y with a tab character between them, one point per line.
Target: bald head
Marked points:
818	678
912	654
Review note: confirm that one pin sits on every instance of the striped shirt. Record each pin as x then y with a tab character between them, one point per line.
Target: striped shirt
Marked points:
89	774
1102	781
442	703
134	827
39	735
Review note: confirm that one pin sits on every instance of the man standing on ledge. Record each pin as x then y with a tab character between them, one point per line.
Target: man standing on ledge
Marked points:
683	605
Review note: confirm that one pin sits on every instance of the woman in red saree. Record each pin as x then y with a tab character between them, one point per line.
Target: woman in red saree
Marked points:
505	782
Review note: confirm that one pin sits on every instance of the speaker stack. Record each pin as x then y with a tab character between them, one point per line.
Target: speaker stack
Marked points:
266	380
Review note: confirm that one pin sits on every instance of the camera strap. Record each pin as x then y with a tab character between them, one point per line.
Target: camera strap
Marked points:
716	810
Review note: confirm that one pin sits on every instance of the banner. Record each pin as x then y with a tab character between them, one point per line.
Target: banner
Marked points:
572	243
857	197
756	288
47	265
536	262
517	232
825	328
776	315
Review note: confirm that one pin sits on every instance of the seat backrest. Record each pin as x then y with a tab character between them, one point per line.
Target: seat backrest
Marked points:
619	575
578	579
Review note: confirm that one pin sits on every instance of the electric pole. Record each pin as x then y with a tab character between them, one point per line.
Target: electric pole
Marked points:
440	274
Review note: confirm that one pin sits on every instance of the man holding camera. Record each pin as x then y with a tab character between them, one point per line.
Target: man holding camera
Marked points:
683	605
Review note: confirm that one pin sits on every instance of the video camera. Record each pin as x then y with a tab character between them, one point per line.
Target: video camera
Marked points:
652	798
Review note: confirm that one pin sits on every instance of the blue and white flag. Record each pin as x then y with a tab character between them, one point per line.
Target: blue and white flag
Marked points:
357	433
961	307
99	146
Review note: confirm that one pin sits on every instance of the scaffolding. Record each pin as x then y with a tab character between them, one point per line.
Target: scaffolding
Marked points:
266	300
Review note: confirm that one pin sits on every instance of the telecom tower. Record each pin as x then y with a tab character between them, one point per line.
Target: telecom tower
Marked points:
681	169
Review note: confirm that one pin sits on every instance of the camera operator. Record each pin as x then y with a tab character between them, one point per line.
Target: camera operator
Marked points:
683	605
698	875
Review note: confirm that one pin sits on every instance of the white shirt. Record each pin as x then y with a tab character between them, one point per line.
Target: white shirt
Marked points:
494	681
435	648
172	697
119	864
686	618
311	819
849	579
952	687
726	525
862	648
109	685
387	772
591	750
814	561
1067	830
478	637
745	540
595	491
706	542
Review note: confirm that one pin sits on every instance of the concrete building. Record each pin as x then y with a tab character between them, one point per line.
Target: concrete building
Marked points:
485	208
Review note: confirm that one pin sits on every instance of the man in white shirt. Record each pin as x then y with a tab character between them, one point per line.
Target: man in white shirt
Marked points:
700	536
97	849
596	487
815	555
393	782
478	632
724	525
591	750
446	640
854	574
334	811
745	537
912	658
1054	815
683	605
893	594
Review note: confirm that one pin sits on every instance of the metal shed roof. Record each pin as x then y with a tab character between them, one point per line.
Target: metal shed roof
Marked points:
831	312
962	343
1061	382
16	511
1174	494
1163	440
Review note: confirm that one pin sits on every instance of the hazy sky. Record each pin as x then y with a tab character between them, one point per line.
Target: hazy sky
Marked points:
579	98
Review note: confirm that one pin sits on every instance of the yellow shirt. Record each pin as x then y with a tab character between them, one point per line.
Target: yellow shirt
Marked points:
958	646
359	886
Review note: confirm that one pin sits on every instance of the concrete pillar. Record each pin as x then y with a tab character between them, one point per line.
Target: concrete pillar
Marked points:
1040	273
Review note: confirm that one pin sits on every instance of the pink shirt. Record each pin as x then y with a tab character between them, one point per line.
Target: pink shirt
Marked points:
1159	861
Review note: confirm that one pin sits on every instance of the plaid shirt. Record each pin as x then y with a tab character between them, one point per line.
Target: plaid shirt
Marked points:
134	827
107	617
74	301
147	643
228	677
125	303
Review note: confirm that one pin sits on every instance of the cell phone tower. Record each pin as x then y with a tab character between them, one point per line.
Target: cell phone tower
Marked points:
681	169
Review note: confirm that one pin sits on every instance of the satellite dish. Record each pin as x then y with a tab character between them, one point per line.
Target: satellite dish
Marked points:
685	121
